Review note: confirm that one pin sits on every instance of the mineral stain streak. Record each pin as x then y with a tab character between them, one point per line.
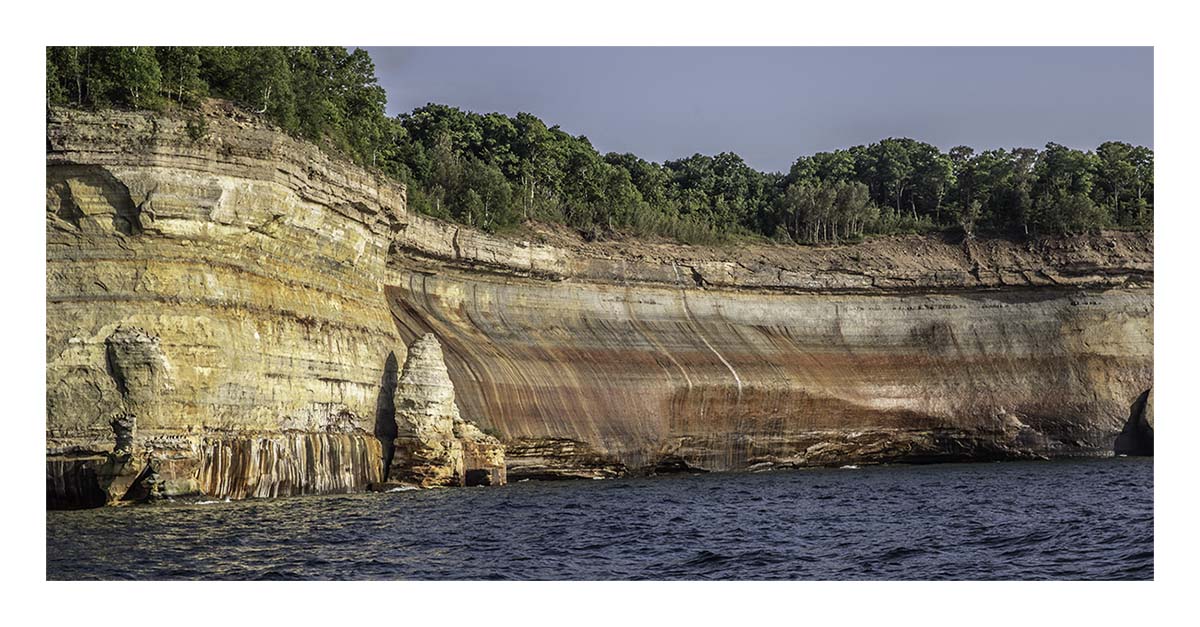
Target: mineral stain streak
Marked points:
227	318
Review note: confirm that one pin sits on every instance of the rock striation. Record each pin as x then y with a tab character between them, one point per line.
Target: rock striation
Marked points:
598	375
226	293
228	312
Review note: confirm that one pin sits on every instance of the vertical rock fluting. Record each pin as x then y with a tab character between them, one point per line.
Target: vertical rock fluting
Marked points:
434	446
289	464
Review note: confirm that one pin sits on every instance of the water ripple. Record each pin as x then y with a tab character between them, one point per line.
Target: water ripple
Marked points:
1089	519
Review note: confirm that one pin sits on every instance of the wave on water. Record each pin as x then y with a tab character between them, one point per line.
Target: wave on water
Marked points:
404	488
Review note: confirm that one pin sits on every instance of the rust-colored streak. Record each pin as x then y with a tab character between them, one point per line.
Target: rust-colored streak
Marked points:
642	373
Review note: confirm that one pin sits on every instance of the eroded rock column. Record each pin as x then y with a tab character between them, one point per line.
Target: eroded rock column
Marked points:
434	446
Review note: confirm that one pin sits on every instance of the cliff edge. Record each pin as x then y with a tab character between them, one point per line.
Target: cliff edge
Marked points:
227	309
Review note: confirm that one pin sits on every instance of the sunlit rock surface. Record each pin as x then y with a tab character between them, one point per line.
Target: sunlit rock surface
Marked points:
727	380
226	291
434	446
228	312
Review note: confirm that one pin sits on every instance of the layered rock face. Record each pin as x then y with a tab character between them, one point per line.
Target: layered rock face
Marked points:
726	380
434	446
225	293
228	312
594	360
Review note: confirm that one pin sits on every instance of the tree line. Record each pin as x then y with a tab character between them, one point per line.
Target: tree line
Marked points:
325	94
494	171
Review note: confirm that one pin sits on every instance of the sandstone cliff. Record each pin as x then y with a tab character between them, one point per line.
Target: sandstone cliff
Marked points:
251	267
227	313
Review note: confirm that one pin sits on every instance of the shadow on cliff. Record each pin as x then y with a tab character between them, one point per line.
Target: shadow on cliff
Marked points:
1137	438
385	411
126	216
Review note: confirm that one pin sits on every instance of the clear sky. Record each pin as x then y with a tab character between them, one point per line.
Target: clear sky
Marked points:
770	105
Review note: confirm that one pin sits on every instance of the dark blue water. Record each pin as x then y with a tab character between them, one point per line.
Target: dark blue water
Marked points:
1037	520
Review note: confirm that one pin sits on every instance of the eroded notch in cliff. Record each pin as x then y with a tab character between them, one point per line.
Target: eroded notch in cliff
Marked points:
1137	438
137	364
385	410
91	199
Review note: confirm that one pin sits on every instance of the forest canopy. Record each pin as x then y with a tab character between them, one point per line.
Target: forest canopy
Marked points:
495	171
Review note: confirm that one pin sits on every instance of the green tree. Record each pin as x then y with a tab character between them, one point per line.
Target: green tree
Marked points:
934	176
1063	190
180	68
811	211
257	77
650	179
1121	173
487	197
492	170
537	155
854	208
893	169
137	78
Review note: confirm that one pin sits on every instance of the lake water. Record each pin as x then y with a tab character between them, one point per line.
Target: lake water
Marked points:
1091	519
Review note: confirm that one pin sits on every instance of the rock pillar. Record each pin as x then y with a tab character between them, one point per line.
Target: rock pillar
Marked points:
434	446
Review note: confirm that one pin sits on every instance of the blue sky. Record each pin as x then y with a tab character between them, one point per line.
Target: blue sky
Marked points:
772	104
